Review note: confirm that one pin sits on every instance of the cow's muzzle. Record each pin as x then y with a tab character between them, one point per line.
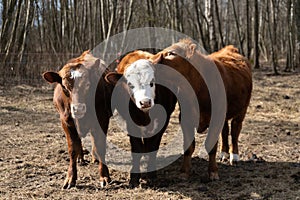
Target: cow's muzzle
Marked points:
78	110
145	104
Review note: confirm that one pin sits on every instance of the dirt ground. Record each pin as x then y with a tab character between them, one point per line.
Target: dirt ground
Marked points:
34	158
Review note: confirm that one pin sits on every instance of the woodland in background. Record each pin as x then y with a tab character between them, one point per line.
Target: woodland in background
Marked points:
38	35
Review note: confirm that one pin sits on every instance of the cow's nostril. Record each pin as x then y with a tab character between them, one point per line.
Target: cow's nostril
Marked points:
78	108
145	103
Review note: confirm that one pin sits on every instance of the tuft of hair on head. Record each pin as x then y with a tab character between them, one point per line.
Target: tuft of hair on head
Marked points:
187	41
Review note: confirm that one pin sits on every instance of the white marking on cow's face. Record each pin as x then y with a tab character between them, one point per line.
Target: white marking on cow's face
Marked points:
75	74
79	91
140	80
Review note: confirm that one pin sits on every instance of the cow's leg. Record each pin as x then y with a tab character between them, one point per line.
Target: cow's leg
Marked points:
94	155
152	146
236	127
74	150
99	148
187	160
81	159
189	148
212	164
224	155
136	154
151	152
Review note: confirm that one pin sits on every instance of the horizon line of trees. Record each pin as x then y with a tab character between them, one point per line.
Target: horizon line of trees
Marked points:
38	34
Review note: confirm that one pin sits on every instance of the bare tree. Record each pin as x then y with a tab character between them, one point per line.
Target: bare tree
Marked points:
269	28
271	7
29	10
297	21
289	53
248	28
219	23
256	34
237	27
200	18
209	10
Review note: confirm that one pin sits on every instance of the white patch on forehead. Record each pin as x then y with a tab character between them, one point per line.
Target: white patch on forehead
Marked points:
75	74
140	71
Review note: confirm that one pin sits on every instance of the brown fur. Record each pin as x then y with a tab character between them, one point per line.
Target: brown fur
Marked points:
235	71
62	99
130	58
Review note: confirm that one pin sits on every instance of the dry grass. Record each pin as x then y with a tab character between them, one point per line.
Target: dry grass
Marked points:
34	159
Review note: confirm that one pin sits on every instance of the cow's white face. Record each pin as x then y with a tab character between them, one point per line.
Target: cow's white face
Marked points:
140	81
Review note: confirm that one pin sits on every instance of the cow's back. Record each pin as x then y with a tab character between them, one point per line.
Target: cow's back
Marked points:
235	70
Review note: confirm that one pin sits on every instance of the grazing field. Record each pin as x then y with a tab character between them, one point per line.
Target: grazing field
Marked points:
34	158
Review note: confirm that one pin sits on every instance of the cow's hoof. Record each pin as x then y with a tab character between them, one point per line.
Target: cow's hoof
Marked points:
134	180
149	179
151	175
104	182
234	158
213	176
224	157
133	184
68	184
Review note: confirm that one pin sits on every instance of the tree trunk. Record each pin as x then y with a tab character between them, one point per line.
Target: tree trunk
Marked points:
112	17
289	57
256	34
7	19
297	19
199	14
30	10
219	23
10	44
272	35
248	29
209	10
237	27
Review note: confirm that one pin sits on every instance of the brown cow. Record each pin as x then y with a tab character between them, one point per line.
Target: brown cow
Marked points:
145	139
78	84
235	71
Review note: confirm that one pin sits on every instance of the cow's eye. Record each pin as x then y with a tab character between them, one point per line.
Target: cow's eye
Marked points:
152	83
171	53
130	86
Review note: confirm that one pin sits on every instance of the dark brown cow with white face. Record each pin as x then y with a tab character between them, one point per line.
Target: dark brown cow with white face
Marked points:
79	84
235	72
145	140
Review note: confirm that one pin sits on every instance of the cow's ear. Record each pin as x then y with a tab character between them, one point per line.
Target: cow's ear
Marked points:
157	58
113	77
52	77
191	51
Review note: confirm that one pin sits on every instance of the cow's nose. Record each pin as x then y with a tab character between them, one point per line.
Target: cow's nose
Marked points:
145	103
78	110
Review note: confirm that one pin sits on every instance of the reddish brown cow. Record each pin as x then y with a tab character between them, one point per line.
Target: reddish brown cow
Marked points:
78	84
235	71
143	140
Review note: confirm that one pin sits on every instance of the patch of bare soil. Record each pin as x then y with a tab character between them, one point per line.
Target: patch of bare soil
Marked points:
34	158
